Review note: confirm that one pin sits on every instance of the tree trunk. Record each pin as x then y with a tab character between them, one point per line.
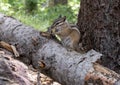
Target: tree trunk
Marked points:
99	23
55	2
68	68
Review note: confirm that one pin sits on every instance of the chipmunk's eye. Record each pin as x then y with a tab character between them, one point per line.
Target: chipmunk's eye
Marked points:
57	23
60	24
56	30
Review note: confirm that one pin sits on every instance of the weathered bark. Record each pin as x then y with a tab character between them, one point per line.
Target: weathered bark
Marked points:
68	68
99	23
13	72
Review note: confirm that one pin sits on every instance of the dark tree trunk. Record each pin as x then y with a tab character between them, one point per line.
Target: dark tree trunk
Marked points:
99	23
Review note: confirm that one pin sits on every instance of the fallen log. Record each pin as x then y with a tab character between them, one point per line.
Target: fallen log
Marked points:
13	72
66	67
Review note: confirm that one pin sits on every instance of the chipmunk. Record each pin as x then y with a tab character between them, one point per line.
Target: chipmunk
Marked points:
68	33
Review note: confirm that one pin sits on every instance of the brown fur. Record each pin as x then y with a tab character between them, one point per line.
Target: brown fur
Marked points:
68	34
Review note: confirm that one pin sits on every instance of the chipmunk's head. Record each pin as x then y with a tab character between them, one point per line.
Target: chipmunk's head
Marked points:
60	25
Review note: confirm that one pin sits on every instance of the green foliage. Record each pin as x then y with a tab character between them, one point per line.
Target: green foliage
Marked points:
43	16
16	4
31	5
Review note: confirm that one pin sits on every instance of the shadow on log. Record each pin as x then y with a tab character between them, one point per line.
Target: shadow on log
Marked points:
66	67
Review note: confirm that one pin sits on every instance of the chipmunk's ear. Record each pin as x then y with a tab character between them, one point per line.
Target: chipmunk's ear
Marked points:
64	18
